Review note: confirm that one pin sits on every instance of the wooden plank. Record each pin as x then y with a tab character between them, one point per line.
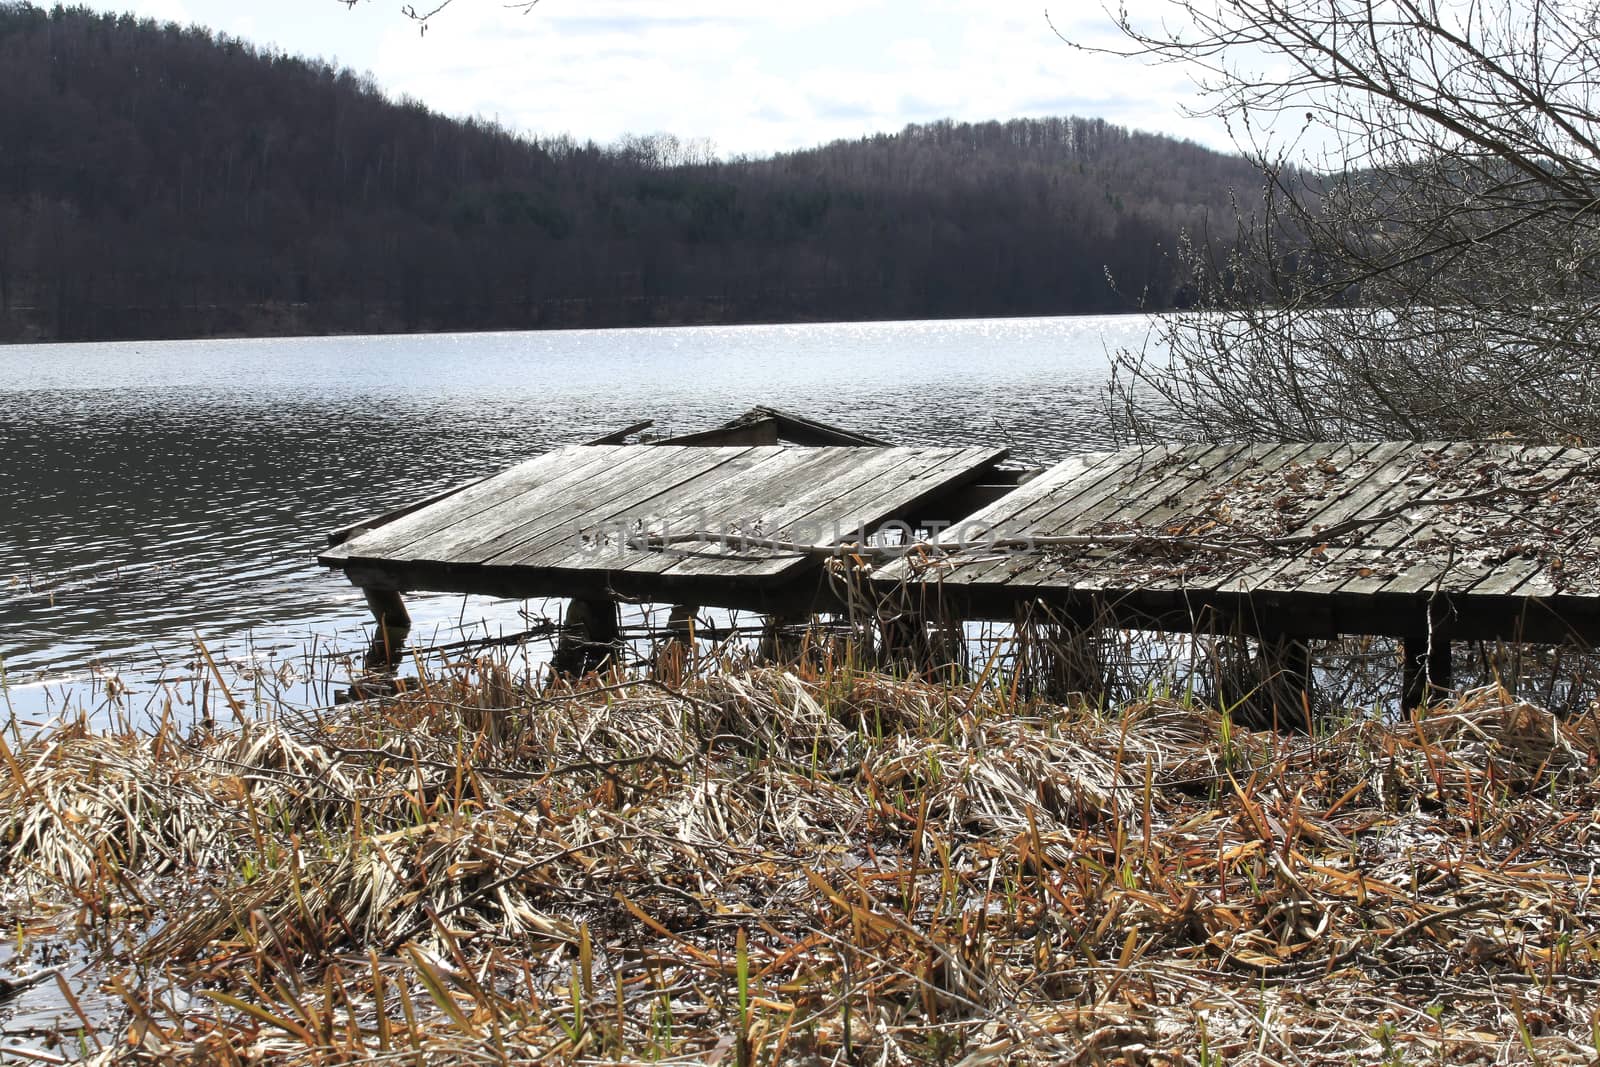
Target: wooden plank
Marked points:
1266	457
1312	573
542	473
1547	582
1111	505
791	466
1388	464
763	511
565	500
900	493
364	526
650	471
1511	574
617	437
1043	512
1012	511
865	493
798	598
1528	574
1043	493
1447	571
1425	530
1153	511
1080	479
727	499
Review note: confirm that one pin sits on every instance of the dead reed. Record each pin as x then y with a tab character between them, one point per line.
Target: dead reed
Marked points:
824	864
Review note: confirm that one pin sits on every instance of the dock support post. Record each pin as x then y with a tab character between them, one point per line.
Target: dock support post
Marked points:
930	644
591	633
779	643
1072	662
681	621
1427	666
394	626
1287	681
673	655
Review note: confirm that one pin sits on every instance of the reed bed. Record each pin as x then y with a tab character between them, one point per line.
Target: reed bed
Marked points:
820	864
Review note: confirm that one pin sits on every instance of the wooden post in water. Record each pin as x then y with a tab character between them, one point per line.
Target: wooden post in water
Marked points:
1427	664
591	634
394	626
1286	682
780	643
1059	653
1072	662
672	656
682	623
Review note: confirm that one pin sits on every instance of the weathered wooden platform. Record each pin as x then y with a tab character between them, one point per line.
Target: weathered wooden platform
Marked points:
1455	540
569	523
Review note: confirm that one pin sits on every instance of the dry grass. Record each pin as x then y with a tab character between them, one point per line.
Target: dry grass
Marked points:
826	865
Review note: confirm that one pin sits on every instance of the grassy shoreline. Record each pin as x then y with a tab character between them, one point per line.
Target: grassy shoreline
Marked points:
816	864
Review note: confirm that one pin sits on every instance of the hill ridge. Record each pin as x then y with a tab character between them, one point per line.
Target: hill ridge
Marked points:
163	181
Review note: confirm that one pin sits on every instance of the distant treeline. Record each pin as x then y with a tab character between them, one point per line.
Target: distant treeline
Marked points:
161	181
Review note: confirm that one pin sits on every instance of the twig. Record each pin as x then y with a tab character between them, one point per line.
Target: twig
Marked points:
1360	522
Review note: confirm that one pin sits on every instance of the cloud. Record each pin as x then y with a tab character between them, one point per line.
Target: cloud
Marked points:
752	77
643	26
163	11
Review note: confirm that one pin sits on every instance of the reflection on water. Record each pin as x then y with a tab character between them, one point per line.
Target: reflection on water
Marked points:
155	491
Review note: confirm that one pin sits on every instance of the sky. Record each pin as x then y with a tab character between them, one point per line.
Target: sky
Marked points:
751	76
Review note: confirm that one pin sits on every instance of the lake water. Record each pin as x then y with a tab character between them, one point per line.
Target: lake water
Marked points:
156	493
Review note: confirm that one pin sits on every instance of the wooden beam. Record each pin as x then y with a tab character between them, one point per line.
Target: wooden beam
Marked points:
591	636
758	432
1427	668
393	625
617	437
1288	687
764	425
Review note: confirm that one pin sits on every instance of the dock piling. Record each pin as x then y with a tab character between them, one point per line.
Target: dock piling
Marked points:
1428	663
393	626
1287	679
590	635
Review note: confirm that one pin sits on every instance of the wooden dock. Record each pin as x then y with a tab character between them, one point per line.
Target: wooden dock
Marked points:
1479	540
1287	543
574	523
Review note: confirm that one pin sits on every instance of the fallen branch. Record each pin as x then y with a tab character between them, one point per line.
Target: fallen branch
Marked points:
1244	545
663	542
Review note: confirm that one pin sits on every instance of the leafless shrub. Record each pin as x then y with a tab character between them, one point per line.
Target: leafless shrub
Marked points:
1425	266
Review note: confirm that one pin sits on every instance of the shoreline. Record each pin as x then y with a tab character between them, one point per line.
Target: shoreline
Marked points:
562	328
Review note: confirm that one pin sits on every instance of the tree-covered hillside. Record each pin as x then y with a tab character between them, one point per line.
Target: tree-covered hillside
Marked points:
159	181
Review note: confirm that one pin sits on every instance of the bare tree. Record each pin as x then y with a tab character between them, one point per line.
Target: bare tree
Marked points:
421	15
1433	273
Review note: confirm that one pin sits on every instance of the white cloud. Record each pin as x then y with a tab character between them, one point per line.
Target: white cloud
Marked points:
753	77
162	11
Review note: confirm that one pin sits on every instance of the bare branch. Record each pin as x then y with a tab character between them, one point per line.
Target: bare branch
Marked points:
1440	278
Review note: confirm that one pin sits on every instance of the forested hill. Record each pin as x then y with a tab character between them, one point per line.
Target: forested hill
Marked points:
158	181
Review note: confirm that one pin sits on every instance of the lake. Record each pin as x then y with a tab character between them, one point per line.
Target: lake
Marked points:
154	493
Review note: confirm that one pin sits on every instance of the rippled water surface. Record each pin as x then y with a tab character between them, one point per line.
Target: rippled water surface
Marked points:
153	492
